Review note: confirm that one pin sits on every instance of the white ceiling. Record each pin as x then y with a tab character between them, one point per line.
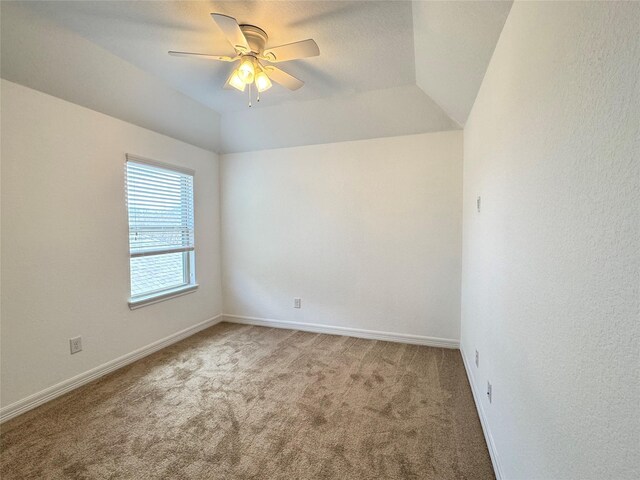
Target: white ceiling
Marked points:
388	112
46	57
54	60
364	45
453	43
88	51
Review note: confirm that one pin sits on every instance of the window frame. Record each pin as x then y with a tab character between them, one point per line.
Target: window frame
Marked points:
188	262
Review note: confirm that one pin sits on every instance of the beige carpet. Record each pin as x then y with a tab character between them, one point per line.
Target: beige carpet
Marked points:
240	402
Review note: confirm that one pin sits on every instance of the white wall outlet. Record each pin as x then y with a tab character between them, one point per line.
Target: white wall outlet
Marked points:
489	391
75	344
478	201
297	303
477	359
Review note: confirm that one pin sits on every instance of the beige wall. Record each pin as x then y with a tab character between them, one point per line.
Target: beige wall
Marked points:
551	263
65	268
366	233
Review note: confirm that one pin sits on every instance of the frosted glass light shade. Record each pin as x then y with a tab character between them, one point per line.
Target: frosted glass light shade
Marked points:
262	82
246	71
236	82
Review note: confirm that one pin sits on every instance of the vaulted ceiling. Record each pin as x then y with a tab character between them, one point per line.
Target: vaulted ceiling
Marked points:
385	68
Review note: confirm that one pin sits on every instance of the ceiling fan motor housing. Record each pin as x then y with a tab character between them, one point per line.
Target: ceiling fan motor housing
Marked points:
256	38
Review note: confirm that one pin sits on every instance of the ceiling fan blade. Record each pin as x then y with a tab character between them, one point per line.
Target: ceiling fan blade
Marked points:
231	30
283	78
206	56
292	51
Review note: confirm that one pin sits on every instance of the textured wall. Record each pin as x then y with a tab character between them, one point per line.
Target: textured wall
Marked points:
65	263
367	233
551	264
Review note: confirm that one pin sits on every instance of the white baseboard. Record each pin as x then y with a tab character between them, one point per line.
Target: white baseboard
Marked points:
493	453
32	401
347	331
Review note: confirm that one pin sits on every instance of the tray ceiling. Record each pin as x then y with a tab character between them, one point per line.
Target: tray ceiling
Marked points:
111	56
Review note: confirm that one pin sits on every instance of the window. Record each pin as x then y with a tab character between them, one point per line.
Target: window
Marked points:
161	231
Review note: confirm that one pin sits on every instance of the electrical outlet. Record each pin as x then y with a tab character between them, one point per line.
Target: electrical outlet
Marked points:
297	303
478	201
477	359
489	391
75	344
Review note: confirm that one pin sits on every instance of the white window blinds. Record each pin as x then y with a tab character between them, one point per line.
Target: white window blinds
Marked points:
161	230
160	204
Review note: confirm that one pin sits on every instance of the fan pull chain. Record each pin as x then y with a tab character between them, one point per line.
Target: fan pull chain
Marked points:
249	95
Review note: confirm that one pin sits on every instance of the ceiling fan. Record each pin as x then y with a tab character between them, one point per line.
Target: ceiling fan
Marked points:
249	42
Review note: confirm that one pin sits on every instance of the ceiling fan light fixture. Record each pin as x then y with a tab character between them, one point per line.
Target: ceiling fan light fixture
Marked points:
249	43
262	82
236	82
246	70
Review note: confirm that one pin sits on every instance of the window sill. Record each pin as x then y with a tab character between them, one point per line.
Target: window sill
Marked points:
161	297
